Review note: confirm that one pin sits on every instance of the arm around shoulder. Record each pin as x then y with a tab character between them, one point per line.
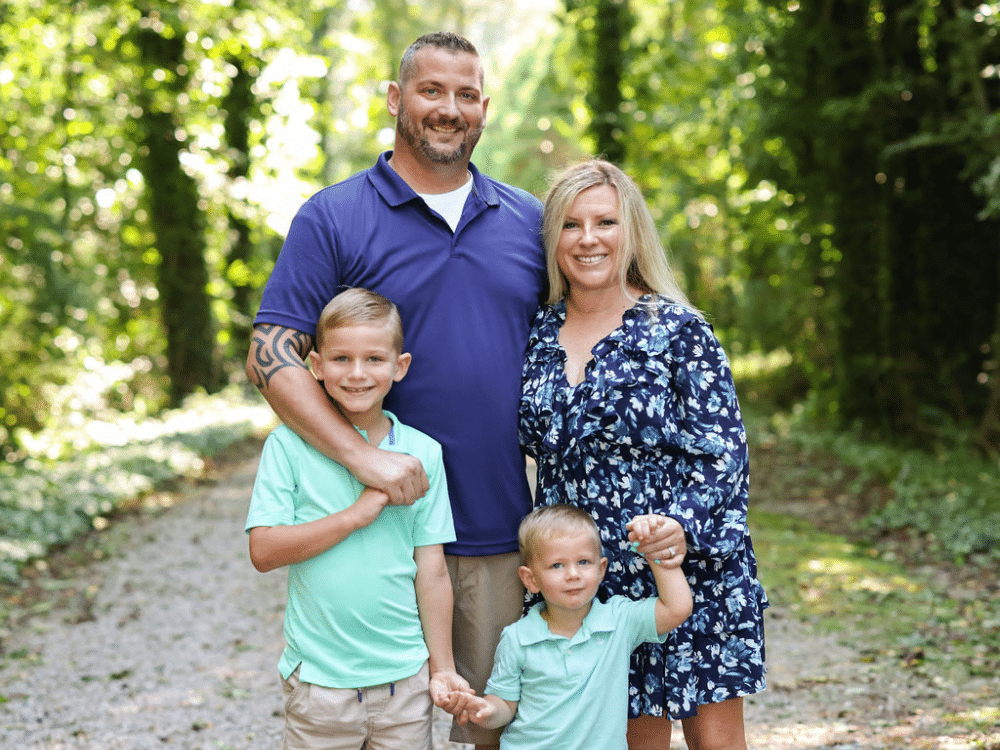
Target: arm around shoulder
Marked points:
276	364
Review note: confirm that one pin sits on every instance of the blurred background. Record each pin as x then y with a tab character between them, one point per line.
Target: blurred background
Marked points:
825	176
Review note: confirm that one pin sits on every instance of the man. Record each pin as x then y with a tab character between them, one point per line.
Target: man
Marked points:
460	255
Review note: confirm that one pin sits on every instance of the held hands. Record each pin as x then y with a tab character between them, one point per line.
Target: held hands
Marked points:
447	688
659	538
466	707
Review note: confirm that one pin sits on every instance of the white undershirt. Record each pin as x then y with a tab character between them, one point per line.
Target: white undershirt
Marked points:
450	204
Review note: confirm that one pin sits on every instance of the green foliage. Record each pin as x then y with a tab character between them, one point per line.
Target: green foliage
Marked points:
935	628
92	465
878	119
840	543
939	505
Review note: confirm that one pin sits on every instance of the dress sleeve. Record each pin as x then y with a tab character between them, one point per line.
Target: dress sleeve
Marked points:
710	500
537	386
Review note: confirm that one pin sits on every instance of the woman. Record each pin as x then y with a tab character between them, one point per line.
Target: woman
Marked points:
629	408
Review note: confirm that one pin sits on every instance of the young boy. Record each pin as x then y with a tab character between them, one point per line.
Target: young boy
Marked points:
561	673
368	619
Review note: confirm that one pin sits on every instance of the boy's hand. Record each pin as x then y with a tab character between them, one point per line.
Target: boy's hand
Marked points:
466	707
659	538
447	688
368	505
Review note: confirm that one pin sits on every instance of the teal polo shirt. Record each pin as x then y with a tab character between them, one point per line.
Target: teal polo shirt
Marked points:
572	693
351	619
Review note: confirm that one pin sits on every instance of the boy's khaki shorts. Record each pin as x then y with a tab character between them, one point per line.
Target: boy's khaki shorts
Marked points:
395	716
488	597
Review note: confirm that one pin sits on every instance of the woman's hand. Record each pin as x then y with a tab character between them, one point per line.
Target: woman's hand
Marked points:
660	538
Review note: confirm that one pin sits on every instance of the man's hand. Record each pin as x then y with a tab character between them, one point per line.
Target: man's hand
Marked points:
399	475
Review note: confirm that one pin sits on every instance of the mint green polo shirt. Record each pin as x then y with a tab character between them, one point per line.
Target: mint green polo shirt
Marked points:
351	619
572	693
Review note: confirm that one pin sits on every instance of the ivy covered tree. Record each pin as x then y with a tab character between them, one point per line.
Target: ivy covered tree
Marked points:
176	218
881	116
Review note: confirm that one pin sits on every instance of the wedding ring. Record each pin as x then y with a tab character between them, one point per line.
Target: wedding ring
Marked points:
671	552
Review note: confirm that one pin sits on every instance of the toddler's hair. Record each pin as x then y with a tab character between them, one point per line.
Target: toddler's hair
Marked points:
551	521
355	306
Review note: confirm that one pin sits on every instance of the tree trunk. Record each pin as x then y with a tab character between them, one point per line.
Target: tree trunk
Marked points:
177	222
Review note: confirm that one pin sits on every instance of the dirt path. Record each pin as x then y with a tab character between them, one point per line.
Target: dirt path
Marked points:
173	641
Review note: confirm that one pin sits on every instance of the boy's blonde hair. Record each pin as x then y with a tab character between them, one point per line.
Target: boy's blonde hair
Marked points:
356	306
552	521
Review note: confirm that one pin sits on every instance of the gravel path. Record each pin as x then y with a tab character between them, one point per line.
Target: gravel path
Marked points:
173	642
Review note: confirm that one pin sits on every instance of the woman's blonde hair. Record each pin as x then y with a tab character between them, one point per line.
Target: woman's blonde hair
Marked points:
642	260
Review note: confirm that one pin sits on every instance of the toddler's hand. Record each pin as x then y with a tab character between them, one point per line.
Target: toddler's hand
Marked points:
465	707
659	538
446	687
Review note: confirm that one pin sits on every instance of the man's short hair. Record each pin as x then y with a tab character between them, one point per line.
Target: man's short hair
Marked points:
445	40
356	306
550	522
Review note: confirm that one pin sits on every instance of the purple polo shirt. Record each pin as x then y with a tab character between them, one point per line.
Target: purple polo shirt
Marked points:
466	299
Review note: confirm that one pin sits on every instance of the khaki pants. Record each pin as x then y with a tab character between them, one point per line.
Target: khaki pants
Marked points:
488	597
395	716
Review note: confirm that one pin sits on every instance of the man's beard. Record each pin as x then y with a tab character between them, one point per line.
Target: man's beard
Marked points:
410	132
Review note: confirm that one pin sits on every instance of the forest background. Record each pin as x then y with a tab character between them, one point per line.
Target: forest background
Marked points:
826	176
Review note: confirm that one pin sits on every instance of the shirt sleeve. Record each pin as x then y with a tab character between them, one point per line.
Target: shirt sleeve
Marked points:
505	680
711	501
272	502
433	522
306	274
637	618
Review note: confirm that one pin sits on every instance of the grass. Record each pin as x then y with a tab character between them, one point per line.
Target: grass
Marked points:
915	608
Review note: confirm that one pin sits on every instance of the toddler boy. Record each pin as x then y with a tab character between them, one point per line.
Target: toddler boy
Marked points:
560	678
368	618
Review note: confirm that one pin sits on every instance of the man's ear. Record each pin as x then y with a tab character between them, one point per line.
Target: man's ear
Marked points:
393	98
528	579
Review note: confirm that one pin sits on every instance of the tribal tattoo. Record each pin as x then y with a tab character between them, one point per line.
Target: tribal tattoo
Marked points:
275	348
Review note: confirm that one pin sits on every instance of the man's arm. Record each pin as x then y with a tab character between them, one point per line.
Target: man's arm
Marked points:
434	604
275	546
276	364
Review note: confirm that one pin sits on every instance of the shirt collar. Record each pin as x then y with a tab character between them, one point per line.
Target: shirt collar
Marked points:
534	629
396	191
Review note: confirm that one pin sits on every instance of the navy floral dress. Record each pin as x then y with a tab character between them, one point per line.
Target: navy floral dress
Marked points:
655	427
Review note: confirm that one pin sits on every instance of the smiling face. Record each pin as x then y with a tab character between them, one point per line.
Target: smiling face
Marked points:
358	365
590	242
566	569
441	111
